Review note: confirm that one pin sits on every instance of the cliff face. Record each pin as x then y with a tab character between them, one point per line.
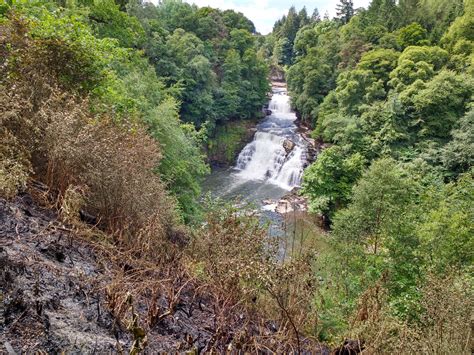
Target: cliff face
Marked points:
229	139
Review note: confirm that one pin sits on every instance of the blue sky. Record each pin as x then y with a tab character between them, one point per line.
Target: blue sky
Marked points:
264	13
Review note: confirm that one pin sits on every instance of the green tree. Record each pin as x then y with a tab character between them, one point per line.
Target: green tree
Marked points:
412	35
446	228
380	62
440	104
229	104
375	234
345	10
328	182
458	154
237	20
109	21
315	16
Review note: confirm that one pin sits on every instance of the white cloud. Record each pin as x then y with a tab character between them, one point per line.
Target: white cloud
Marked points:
264	13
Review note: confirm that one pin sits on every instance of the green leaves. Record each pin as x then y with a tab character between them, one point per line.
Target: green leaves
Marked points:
328	182
109	22
458	154
381	95
412	35
446	229
440	104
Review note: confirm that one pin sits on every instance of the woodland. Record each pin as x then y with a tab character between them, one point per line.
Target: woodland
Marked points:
109	111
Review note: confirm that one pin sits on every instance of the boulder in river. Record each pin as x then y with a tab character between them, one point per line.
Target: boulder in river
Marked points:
288	146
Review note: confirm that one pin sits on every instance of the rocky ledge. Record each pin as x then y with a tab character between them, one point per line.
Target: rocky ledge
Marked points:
291	202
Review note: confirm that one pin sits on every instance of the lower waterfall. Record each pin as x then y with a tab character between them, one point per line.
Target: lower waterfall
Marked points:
265	158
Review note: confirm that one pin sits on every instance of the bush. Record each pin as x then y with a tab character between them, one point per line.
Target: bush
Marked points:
51	128
233	253
443	328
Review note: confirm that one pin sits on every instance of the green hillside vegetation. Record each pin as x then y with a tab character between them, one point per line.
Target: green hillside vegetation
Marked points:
174	69
110	107
390	89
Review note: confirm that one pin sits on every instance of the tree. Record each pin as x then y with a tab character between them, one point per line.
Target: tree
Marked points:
384	12
229	104
345	10
412	35
458	154
303	18
315	16
237	20
372	235
445	229
440	104
408	8
461	28
109	21
357	87
380	62
328	182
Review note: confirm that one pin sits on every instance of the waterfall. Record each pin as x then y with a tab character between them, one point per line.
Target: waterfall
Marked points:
265	158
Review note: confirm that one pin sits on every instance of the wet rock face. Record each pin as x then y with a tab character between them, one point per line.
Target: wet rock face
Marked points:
288	145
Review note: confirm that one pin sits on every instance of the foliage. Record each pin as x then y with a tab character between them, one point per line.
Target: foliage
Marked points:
345	10
51	126
285	31
412	35
446	229
191	79
390	89
458	153
239	261
442	328
228	140
109	103
208	57
329	181
109	22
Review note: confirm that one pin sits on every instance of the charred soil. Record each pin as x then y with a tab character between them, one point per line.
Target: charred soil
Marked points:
58	293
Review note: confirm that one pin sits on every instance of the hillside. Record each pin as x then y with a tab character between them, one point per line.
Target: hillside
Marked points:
112	115
65	290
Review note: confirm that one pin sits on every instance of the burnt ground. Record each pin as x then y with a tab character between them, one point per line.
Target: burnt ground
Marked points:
48	285
53	298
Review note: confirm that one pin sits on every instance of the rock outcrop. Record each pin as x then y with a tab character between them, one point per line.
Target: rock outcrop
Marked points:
288	145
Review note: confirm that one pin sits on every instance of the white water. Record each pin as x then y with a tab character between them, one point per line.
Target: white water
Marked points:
265	159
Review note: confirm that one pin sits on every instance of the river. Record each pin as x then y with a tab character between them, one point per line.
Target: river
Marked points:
265	171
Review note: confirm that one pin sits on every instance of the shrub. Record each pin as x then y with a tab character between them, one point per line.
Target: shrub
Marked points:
443	328
234	255
50	127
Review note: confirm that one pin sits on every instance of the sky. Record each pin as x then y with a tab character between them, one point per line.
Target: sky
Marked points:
264	13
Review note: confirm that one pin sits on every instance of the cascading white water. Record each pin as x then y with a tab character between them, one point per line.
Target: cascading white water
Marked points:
280	105
265	158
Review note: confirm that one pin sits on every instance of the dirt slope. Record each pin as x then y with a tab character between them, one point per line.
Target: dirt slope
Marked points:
49	285
53	297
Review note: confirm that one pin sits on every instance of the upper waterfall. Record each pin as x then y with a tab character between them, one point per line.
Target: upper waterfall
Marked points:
265	158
